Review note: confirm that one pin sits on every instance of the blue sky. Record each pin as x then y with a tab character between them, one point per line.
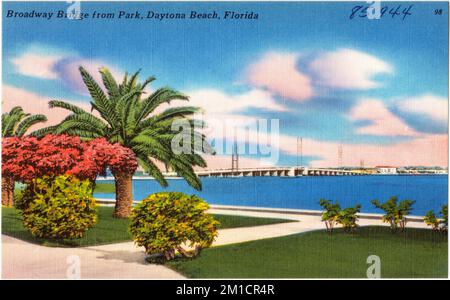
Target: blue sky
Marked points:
404	63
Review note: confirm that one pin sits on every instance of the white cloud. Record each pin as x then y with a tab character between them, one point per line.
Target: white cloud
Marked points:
382	121
45	62
218	102
37	65
431	106
349	69
279	74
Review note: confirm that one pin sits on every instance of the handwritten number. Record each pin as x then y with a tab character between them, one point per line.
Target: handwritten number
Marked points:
407	12
355	9
360	11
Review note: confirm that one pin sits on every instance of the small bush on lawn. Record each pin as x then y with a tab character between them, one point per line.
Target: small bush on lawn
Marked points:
163	222
444	213
331	213
335	215
437	224
395	211
348	218
59	207
431	220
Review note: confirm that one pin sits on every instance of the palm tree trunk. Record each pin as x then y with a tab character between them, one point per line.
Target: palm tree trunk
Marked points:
7	191
124	194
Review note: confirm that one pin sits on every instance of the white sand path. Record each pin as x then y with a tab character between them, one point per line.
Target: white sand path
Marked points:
125	260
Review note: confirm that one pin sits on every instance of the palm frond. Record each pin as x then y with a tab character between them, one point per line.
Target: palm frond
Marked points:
184	169
177	112
110	83
151	146
85	135
83	121
17	110
133	81
99	100
160	96
44	131
146	82
25	124
152	169
11	123
123	85
62	104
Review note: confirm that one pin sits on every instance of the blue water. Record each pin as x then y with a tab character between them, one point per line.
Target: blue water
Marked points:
429	191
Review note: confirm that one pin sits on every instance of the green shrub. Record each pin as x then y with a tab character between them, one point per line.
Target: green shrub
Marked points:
330	215
395	212
431	220
59	207
163	222
334	215
348	217
444	213
437	224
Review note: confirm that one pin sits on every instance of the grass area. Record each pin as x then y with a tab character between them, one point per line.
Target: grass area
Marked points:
415	253
105	188
108	230
228	221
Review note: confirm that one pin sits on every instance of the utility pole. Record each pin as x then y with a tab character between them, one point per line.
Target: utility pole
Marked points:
340	152
235	159
299	151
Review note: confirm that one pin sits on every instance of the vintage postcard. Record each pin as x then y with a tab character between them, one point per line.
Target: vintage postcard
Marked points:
237	140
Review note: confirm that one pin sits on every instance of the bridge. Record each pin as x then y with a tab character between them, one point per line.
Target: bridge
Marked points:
277	171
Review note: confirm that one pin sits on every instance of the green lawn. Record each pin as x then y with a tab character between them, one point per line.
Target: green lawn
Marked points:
108	230
103	187
415	253
227	221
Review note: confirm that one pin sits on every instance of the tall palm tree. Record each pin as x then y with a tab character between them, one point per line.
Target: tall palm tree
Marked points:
15	123
127	116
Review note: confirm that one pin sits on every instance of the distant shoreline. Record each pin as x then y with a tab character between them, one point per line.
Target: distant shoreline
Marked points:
108	178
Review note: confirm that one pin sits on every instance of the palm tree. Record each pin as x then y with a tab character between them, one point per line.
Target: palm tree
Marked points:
15	123
127	116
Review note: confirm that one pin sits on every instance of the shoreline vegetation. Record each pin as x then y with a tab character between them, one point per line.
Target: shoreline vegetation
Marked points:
110	230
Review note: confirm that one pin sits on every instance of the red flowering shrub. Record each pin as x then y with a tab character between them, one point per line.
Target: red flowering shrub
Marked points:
27	158
99	154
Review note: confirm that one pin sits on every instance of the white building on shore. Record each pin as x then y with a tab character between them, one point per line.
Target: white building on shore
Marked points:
386	169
